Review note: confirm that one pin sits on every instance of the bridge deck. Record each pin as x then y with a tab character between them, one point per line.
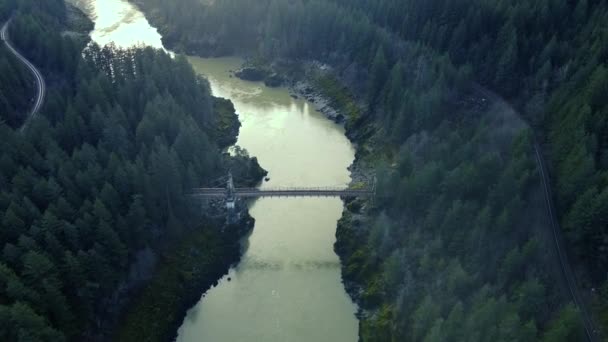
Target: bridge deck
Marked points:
282	192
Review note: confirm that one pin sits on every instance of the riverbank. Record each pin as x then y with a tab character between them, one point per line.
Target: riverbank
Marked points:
311	80
317	83
194	262
191	267
335	101
169	277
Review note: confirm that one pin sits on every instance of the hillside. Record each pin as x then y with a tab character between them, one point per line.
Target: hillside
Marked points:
93	192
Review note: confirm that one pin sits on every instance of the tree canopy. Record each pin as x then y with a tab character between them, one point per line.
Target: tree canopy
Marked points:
100	175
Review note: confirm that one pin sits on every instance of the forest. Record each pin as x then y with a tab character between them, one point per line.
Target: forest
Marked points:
466	211
97	182
457	246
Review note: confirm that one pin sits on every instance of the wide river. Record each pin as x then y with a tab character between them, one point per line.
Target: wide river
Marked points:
288	285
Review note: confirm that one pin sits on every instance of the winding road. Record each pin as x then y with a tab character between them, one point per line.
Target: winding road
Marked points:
40	84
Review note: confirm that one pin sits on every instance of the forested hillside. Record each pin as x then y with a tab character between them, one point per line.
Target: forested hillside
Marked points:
98	178
460	250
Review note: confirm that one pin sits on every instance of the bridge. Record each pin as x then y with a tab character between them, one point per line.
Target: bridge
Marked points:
280	192
231	194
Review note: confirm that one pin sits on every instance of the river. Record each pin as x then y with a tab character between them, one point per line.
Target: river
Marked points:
288	285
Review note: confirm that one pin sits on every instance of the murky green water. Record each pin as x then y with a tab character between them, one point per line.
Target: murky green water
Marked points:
288	285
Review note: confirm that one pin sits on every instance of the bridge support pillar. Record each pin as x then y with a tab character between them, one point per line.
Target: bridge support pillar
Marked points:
231	201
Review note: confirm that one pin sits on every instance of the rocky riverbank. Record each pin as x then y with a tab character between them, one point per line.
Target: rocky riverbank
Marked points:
321	103
309	83
321	87
300	86
317	83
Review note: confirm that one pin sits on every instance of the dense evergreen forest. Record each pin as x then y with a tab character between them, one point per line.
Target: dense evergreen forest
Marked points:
97	182
460	250
457	245
16	88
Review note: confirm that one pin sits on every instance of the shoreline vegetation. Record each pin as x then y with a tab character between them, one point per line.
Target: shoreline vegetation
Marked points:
186	270
194	263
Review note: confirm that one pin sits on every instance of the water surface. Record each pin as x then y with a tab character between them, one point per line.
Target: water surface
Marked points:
288	285
120	23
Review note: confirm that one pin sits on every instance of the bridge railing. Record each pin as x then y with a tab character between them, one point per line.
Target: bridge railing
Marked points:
299	189
295	189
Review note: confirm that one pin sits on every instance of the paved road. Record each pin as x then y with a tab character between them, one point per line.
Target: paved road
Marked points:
590	330
40	84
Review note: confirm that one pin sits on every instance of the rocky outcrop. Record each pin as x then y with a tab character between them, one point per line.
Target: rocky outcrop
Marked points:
258	74
274	80
252	74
